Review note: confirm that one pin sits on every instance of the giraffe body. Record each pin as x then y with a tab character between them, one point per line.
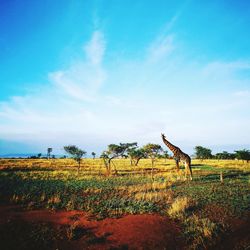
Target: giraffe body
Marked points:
179	156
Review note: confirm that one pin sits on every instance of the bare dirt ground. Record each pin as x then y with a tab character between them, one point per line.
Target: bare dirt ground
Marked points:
45	229
78	230
238	235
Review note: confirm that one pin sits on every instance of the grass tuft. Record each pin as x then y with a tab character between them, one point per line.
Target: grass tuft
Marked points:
180	206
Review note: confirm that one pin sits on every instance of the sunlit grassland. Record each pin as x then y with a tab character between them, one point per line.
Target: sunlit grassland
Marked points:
54	184
28	179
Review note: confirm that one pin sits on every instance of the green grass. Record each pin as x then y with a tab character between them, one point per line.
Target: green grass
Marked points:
99	196
62	188
233	194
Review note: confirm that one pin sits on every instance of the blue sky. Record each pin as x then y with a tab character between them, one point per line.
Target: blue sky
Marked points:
93	73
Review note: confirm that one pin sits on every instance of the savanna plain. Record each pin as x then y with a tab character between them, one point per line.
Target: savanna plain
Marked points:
45	204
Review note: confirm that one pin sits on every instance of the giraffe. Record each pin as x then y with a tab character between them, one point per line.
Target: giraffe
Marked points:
179	156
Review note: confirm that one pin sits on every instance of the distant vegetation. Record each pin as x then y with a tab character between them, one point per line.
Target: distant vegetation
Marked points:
76	154
206	153
152	151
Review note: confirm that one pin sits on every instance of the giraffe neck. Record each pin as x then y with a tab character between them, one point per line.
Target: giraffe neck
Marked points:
172	147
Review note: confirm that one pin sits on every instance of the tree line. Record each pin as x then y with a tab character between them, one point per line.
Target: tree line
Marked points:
135	154
206	153
151	151
122	150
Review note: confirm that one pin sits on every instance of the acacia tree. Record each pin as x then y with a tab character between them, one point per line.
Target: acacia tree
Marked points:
112	152
126	147
243	155
115	151
203	153
76	153
93	155
136	154
152	151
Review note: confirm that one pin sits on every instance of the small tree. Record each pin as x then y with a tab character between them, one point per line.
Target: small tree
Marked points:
39	155
152	151
93	155
135	155
203	153
115	151
225	156
76	153
126	147
112	152
243	155
49	151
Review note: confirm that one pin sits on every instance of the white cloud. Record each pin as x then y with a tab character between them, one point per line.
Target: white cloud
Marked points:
95	48
60	109
220	69
160	48
172	21
81	81
242	93
132	101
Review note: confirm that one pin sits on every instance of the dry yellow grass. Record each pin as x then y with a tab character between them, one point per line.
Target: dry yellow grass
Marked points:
180	206
96	166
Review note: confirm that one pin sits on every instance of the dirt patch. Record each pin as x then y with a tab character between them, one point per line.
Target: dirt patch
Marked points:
78	230
217	214
235	230
237	236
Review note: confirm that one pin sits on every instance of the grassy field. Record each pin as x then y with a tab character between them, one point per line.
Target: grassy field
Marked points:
204	208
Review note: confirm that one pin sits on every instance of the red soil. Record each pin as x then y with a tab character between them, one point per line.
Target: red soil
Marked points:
238	234
146	231
238	237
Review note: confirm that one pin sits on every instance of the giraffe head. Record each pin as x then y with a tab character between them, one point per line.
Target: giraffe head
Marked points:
163	136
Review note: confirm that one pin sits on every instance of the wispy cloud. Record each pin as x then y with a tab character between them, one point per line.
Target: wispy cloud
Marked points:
242	93
83	79
174	19
160	92
160	48
95	48
60	108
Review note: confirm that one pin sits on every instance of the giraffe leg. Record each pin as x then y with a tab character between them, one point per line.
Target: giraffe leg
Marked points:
177	165
190	171
185	171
